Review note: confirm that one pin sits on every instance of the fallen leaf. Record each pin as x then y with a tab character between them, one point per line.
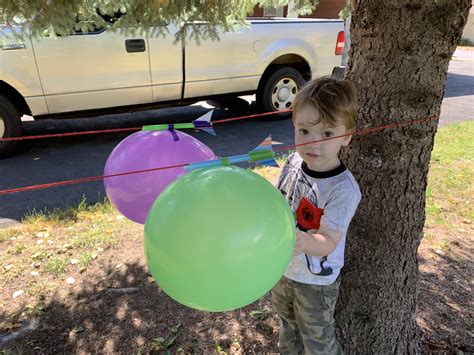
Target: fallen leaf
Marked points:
78	329
18	293
42	234
258	314
70	280
176	327
9	325
36	255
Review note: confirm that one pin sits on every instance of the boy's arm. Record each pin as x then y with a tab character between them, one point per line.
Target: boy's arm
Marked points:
319	242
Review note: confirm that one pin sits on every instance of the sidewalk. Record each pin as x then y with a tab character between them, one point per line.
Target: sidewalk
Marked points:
464	53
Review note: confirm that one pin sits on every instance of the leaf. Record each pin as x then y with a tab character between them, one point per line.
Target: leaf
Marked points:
18	293
258	314
78	329
37	255
70	280
170	341
9	326
157	343
176	327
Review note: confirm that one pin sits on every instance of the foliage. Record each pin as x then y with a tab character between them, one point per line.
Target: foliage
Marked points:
347	10
203	18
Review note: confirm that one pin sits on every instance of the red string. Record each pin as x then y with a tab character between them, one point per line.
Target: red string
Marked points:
96	178
88	179
364	131
115	130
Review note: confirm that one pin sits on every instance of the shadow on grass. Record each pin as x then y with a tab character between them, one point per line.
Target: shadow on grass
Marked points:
123	312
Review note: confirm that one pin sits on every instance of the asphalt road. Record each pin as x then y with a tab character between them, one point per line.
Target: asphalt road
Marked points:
58	159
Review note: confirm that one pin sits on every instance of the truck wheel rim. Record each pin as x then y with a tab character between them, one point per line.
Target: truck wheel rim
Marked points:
2	127
284	93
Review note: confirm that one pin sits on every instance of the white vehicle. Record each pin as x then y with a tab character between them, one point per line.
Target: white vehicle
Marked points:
102	71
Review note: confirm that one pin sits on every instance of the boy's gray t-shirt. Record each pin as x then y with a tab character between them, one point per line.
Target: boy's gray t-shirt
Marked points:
334	191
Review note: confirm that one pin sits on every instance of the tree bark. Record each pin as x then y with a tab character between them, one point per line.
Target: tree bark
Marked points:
399	59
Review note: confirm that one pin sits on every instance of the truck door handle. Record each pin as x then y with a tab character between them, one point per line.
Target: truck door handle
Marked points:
135	45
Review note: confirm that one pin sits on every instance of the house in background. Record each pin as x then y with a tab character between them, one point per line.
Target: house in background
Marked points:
326	9
468	33
330	9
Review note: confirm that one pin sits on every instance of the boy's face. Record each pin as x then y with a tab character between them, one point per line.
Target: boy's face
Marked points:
322	156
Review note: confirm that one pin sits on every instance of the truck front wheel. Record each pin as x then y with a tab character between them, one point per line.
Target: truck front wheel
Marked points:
10	126
278	89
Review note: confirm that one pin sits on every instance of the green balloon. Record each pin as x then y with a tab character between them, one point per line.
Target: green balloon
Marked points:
219	239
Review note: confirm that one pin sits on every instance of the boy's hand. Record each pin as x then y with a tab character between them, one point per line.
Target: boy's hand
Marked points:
300	242
316	242
301	238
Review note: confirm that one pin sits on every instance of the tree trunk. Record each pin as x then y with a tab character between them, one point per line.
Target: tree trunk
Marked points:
399	59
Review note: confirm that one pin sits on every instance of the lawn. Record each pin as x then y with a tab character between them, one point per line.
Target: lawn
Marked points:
75	280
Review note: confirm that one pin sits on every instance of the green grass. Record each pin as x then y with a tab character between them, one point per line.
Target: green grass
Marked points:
95	238
38	289
453	143
443	245
450	179
69	214
17	249
85	259
56	265
7	234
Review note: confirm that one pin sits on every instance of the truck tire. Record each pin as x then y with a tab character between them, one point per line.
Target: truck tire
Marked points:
278	88
10	126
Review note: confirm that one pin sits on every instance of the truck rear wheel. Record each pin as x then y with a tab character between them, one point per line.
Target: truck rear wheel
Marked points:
10	126
278	89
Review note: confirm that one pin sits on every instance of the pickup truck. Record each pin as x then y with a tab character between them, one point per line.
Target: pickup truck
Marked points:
107	72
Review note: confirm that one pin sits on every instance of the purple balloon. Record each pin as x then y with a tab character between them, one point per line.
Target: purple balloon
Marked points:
134	194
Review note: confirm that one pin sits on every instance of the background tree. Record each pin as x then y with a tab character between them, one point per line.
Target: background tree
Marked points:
399	59
60	17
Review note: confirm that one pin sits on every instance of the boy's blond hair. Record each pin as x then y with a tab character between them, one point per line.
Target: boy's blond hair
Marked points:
334	99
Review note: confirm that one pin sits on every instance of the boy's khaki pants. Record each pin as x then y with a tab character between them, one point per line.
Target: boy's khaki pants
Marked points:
307	317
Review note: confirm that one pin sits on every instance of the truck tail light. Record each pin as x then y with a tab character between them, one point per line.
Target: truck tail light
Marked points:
340	43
